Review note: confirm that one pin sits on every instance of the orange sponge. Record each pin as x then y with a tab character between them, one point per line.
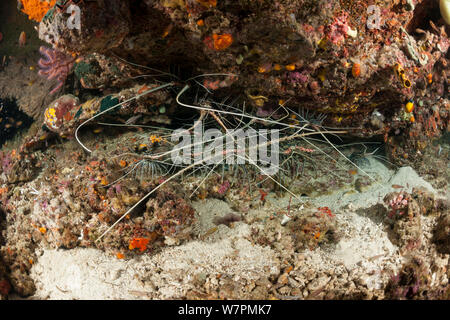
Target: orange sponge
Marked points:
36	9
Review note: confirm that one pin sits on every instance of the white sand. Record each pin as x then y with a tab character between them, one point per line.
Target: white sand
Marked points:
91	274
364	249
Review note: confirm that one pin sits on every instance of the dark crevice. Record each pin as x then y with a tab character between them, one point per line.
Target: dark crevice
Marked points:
424	12
12	120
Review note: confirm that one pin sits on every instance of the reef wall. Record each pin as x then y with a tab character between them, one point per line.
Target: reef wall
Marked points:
378	67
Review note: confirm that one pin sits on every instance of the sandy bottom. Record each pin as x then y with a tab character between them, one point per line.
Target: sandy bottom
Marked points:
364	254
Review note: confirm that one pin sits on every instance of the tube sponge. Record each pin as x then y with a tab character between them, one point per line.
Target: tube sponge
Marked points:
36	9
445	10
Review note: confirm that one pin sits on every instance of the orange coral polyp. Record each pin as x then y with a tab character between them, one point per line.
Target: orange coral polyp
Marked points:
36	9
222	41
139	243
356	70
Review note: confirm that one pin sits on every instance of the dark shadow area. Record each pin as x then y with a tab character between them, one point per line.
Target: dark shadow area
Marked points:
424	12
12	120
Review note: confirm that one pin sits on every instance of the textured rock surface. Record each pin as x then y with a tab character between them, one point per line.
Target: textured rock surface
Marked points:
357	62
104	27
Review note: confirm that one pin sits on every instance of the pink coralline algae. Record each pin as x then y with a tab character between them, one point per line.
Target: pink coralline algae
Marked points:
338	30
55	65
5	161
296	77
398	205
224	188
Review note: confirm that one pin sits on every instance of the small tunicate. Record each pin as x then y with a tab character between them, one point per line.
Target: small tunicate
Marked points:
409	5
352	33
377	119
239	59
285	219
293	19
